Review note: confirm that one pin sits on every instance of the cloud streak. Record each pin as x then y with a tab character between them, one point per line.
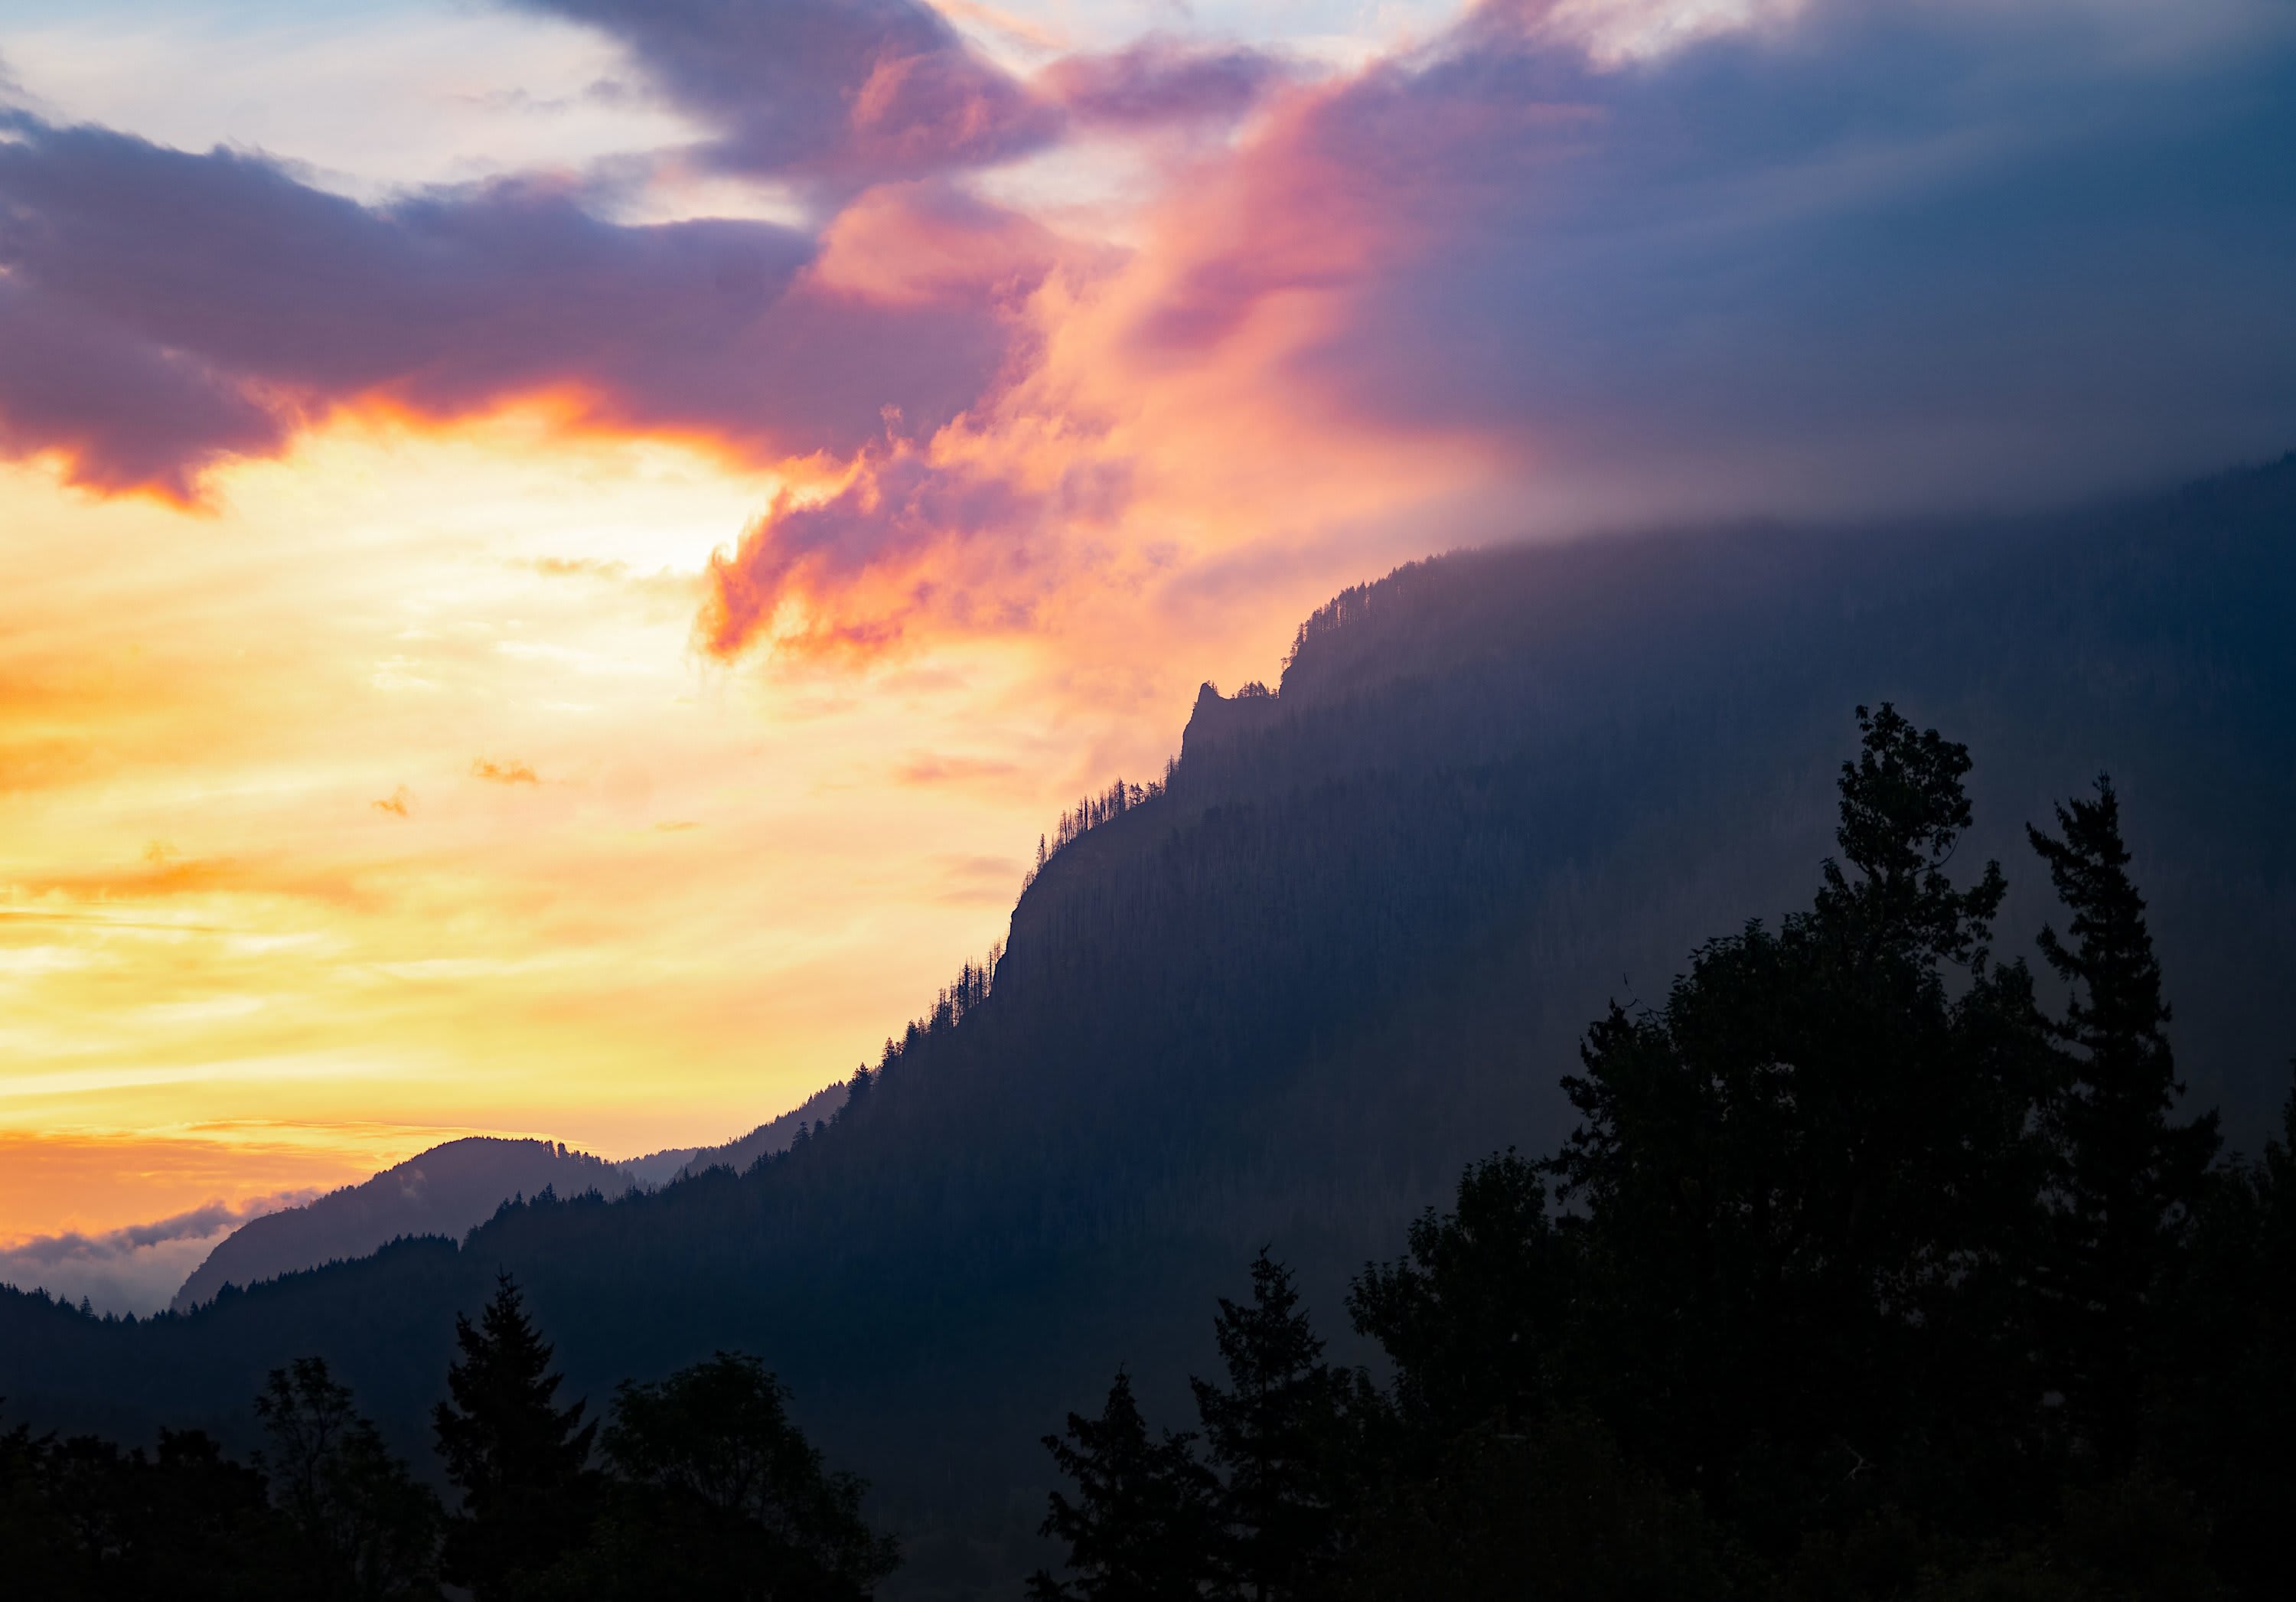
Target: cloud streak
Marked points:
44	1253
135	1270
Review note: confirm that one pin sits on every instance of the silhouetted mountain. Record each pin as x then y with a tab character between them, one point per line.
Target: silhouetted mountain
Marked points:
1348	943
444	1191
452	1188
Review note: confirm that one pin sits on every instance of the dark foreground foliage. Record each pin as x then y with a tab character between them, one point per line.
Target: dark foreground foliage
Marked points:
707	1491
1865	1275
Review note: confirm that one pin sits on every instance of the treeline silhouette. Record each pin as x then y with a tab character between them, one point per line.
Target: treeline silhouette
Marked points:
1093	810
1347	951
698	1485
1863	1276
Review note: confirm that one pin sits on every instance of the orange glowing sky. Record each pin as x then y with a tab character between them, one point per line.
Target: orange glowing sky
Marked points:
393	799
390	792
598	675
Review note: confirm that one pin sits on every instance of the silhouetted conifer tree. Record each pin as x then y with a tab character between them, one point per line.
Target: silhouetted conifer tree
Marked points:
2126	1177
1278	1429
519	1459
1815	1159
1143	1527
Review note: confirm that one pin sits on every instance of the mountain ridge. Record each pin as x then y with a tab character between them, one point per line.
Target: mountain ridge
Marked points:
451	1189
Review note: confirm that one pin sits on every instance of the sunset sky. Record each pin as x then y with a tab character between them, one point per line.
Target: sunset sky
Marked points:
557	557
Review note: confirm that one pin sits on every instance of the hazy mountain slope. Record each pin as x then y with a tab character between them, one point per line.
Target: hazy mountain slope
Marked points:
450	1187
443	1191
1351	948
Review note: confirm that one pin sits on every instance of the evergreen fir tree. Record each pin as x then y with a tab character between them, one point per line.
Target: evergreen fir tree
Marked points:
520	1460
2127	1176
1814	1159
1143	1527
1277	1431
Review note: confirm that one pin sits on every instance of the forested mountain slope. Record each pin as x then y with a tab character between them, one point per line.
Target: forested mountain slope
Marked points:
1348	946
456	1186
443	1191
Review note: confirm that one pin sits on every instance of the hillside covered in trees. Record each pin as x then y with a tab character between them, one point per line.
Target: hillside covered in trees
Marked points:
1350	943
454	1186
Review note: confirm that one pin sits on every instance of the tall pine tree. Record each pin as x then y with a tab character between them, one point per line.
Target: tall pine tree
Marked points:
1278	1429
2127	1175
1143	1527
520	1460
1814	1159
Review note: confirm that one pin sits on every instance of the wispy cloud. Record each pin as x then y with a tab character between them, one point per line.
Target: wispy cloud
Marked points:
134	1269
48	1252
937	770
508	770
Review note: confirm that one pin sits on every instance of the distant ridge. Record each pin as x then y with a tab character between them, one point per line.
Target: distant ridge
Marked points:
450	1190
443	1191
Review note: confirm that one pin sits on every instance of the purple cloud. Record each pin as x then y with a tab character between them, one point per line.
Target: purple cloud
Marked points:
169	309
842	92
125	414
1162	80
